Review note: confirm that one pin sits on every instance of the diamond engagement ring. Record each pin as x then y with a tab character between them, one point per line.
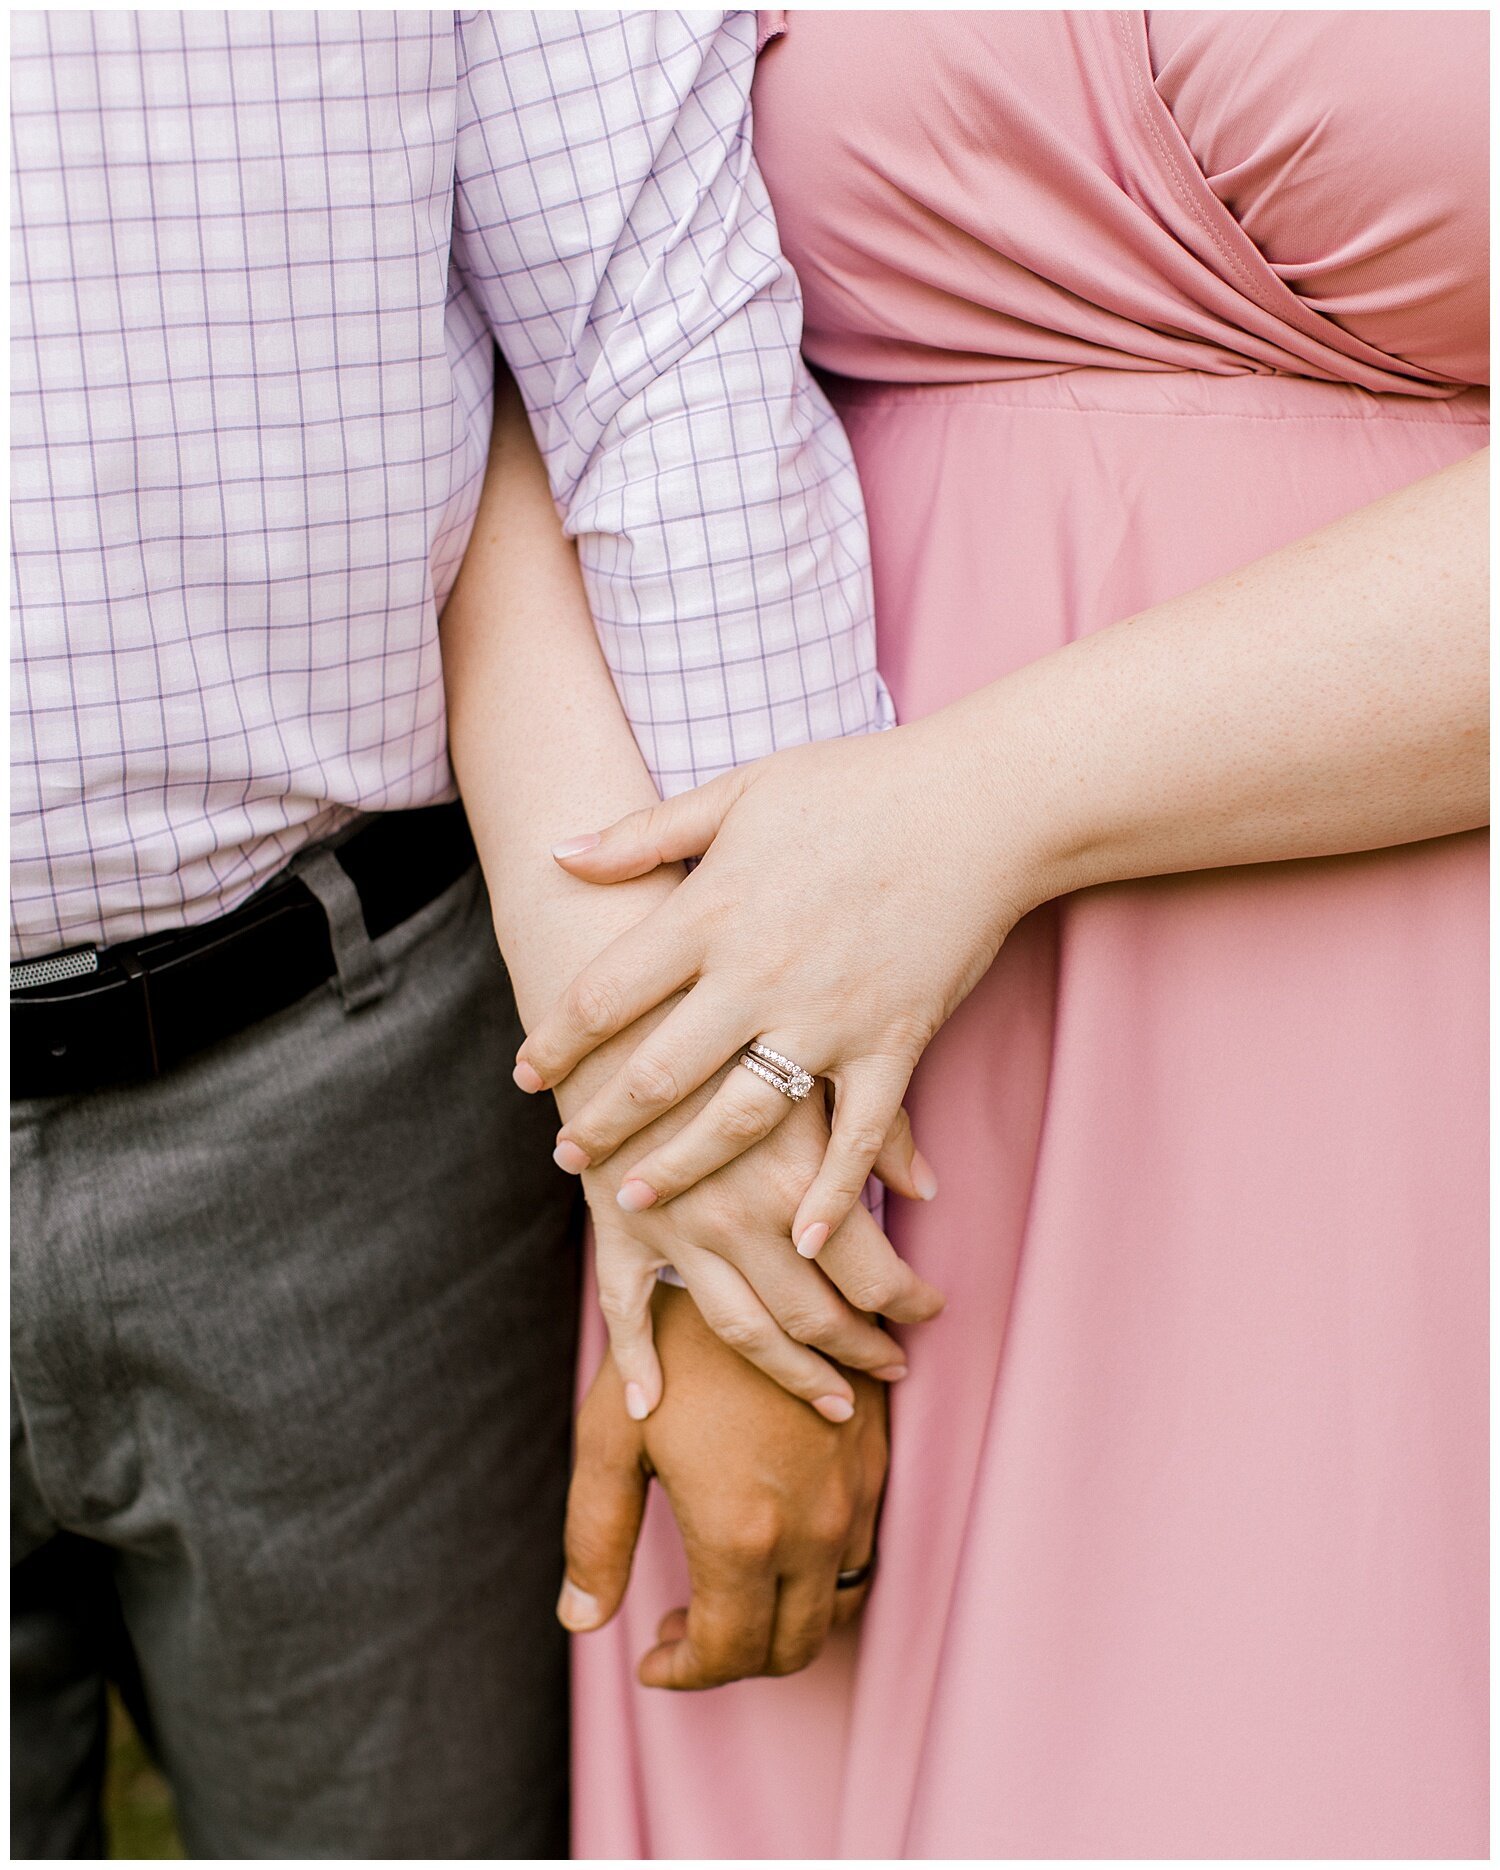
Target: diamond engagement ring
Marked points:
782	1074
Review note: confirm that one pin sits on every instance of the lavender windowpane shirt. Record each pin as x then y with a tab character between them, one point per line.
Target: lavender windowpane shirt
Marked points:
261	264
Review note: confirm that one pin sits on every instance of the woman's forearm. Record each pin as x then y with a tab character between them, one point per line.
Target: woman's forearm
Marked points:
537	738
1331	697
1328	698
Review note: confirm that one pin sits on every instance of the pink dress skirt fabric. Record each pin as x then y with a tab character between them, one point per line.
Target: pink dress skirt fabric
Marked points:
1183	1552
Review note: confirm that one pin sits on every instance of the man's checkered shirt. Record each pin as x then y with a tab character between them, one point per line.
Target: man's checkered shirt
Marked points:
261	264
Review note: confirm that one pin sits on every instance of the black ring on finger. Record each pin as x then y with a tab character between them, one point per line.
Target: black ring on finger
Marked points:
852	1579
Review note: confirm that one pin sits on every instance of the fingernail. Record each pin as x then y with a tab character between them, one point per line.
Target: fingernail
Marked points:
570	1157
923	1178
890	1373
527	1078
834	1408
811	1240
575	847
636	1406
635	1195
576	1610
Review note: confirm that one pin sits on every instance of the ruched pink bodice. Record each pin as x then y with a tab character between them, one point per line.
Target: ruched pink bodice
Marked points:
1219	192
1183	1551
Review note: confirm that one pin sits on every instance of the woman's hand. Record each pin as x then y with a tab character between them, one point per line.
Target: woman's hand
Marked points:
728	1240
1331	697
772	1504
853	892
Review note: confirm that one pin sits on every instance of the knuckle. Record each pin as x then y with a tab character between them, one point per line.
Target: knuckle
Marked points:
592	1004
712	912
649	828
861	1138
907	1307
587	1552
813	1322
742	1332
621	1309
874	1291
746	1654
744	1123
753	1537
829	1522
543	1051
651	1081
794	1660
588	1133
909	1034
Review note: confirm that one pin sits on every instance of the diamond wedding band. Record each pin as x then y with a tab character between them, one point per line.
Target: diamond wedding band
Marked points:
782	1074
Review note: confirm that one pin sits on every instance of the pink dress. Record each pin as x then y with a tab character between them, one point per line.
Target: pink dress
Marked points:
1183	1551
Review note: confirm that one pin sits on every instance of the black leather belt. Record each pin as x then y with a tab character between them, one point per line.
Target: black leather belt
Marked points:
152	1003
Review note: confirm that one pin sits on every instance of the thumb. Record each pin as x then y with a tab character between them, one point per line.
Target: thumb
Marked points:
901	1165
605	1502
661	834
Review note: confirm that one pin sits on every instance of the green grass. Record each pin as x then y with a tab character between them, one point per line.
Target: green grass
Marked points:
138	1817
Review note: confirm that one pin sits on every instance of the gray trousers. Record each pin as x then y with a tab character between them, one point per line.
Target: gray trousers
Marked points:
293	1338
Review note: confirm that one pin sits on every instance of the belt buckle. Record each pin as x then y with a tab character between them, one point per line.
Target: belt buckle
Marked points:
96	1027
71	964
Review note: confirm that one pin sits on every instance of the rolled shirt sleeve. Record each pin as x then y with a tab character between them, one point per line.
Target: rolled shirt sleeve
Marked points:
611	224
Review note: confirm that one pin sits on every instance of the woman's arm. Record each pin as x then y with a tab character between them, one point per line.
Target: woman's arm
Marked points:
1330	697
535	730
538	741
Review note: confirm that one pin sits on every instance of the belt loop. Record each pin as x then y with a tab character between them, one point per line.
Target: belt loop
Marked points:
361	977
133	969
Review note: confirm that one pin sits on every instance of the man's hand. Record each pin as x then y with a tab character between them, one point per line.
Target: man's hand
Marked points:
772	1503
